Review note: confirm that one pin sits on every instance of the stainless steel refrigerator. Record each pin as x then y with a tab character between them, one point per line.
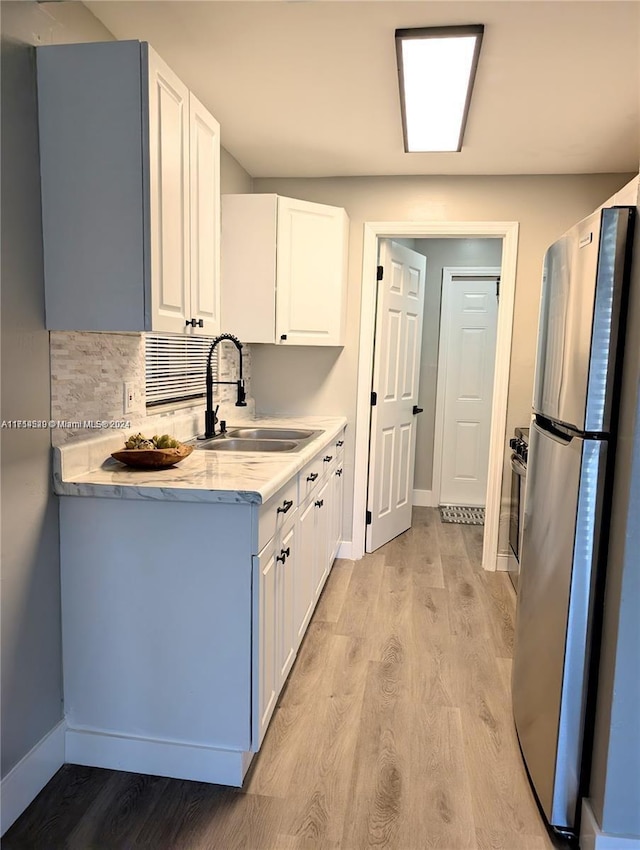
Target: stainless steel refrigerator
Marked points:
572	442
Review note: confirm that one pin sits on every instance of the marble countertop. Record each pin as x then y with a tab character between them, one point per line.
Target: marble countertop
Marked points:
85	468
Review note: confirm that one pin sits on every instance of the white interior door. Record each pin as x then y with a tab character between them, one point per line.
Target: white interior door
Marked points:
466	362
396	375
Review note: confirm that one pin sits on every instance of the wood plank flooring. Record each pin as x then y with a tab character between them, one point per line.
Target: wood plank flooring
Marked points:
394	730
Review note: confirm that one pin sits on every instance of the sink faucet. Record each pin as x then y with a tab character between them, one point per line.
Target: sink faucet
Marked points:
210	418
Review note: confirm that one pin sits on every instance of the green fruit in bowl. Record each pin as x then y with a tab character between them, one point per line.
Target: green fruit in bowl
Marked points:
166	442
139	441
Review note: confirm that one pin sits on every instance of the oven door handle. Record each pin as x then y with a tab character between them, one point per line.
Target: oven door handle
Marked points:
518	466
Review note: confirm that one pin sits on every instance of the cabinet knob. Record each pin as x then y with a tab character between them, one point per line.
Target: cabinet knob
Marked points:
283	336
339	472
195	323
288	503
327	458
284	554
339	444
312	477
319	503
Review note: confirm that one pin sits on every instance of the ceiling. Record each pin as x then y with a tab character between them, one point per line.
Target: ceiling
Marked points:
310	89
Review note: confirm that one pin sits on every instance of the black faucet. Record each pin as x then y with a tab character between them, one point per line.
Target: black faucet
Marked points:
210	414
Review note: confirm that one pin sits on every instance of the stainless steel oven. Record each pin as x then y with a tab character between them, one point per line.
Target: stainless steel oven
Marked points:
519	450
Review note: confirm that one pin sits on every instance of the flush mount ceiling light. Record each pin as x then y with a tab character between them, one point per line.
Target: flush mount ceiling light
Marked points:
436	68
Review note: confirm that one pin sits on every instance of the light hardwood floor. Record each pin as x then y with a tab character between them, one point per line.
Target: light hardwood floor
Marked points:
394	730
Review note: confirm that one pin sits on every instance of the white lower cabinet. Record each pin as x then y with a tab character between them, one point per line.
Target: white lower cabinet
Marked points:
303	579
178	637
267	603
285	571
322	508
337	504
274	650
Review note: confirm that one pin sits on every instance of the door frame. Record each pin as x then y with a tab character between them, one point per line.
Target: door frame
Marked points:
372	231
448	273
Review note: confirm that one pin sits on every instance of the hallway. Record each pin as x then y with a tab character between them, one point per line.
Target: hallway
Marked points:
394	730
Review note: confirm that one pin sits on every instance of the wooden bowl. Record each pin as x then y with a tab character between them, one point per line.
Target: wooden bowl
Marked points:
152	458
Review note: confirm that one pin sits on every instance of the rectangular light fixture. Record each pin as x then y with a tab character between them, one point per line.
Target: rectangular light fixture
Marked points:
436	69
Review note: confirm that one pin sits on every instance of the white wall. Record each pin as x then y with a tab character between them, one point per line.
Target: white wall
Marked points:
313	380
31	643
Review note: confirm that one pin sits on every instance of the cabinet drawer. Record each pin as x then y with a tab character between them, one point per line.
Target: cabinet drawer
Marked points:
338	447
275	513
315	472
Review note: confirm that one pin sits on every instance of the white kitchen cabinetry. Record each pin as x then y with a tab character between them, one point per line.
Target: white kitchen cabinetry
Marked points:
337	504
130	175
274	567
181	621
320	493
322	504
284	270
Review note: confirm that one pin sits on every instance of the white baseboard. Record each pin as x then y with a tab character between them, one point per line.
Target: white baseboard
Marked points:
592	837
345	550
158	758
424	499
26	780
502	562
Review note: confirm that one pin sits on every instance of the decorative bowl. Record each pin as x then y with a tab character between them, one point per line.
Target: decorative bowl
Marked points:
152	458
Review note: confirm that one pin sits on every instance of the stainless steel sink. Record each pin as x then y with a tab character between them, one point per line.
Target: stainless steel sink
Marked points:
270	433
258	440
229	444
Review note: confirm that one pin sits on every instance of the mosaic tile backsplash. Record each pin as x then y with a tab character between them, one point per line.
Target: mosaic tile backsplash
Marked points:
88	371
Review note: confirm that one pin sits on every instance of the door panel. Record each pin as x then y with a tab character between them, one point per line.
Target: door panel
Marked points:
204	140
169	194
465	387
396	374
468	456
311	263
557	568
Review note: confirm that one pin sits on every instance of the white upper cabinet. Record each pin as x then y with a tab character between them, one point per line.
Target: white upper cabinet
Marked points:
284	270
130	168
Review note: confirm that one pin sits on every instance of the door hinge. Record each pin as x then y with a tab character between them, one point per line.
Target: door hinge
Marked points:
380	273
374	399
368	517
498	288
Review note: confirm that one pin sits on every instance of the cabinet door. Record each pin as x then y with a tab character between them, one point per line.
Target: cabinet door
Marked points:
337	502
322	505
169	197
204	169
286	651
266	568
311	273
303	600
